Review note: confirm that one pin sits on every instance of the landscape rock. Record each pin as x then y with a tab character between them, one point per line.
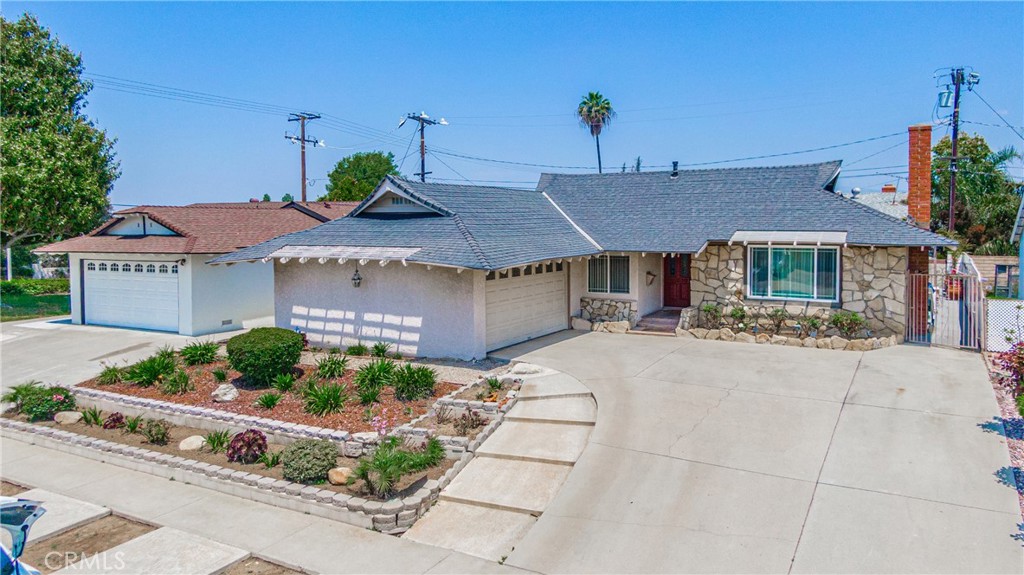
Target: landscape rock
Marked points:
745	337
858	345
684	333
778	340
794	342
581	324
699	332
616	326
225	393
763	338
824	343
726	334
67	417
810	342
192	443
713	334
339	475
839	342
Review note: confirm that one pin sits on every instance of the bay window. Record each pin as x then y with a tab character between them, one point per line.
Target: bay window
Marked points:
608	274
800	273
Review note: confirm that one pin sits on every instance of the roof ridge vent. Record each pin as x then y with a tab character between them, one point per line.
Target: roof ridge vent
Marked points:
675	170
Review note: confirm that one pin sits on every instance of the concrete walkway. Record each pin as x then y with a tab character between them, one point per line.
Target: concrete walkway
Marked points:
290	538
726	457
492	504
55	351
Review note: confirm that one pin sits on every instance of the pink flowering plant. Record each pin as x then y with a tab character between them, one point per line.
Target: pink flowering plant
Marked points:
382	423
45	402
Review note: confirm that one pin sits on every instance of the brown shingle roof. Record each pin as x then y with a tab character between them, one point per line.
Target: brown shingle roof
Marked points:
205	228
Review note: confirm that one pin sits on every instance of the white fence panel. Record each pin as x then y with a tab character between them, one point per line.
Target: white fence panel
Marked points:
1005	323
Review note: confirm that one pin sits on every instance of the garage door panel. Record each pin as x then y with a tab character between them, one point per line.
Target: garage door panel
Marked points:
145	296
521	308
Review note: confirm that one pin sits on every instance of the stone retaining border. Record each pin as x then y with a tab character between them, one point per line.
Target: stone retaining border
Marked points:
392	517
833	342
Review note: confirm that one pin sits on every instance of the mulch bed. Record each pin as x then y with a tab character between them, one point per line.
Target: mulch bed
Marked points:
1012	421
353	418
407	486
82	542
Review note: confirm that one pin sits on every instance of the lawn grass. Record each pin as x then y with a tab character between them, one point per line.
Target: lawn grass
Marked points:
29	306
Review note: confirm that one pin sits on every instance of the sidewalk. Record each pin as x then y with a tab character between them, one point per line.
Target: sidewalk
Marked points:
293	539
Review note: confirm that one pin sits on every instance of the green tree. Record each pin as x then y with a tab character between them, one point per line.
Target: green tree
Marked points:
58	167
987	198
266	197
594	113
355	177
287	198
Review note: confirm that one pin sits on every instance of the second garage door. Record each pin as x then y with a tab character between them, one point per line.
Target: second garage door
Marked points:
525	303
139	294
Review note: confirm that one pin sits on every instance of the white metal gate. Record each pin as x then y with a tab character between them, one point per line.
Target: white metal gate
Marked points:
946	310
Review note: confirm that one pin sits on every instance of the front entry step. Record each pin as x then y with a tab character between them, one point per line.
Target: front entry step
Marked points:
565	410
539	442
521	486
472	529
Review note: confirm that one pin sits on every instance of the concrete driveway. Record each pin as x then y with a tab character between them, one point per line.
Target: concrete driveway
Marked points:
725	457
55	351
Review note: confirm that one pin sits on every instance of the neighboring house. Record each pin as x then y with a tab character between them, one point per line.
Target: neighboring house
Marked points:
460	270
143	268
888	201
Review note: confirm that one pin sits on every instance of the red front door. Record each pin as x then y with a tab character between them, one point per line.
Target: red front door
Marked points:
677	281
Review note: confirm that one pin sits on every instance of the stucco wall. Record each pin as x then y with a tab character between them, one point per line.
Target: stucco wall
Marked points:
431	313
242	294
873	284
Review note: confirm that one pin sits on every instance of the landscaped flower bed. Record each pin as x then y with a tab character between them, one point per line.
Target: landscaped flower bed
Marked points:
1006	372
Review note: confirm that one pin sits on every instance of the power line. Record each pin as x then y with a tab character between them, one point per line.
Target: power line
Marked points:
1019	135
431	152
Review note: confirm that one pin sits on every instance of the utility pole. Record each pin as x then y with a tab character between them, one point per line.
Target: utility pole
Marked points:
424	120
957	78
302	140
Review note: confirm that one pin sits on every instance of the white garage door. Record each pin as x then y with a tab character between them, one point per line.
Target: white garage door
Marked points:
525	303
141	294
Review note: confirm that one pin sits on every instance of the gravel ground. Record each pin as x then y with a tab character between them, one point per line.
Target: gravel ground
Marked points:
1012	421
452	370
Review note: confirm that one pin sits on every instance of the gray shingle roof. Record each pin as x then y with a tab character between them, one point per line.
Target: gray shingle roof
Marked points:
482	227
651	211
892	204
488	228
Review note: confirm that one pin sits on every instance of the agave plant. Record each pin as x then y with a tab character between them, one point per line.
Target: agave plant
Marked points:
382	471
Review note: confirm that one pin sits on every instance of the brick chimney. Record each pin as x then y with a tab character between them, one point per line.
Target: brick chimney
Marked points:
919	194
889	188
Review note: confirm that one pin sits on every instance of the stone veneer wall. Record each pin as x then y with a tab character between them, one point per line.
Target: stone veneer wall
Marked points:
601	309
873	285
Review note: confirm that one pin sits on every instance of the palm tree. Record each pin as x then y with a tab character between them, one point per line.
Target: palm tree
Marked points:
595	112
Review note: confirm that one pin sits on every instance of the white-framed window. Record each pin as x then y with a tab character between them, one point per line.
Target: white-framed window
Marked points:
114	268
127	268
90	266
150	269
163	268
174	269
608	274
138	268
103	267
793	273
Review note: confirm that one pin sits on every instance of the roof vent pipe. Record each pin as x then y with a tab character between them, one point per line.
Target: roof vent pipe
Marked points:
854	192
675	170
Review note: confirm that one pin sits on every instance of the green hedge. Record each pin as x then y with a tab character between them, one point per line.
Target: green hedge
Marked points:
264	353
35	287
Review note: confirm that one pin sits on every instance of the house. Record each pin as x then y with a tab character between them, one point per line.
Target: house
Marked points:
144	267
460	270
889	201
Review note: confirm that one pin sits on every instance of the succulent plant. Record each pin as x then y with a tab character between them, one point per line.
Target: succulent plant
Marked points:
247	446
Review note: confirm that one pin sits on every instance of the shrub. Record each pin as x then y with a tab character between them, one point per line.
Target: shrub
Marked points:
380	349
375	374
397	356
217	441
813	323
325	399
92	416
738	315
110	375
265	352
711	315
369	395
150	370
309	460
178	383
248	446
18	393
1013	363
331	367
284	382
777	317
220	375
469	421
133	424
849	323
494	384
357	349
156	431
268	400
444	414
114	421
45	402
26	286
270	459
166	352
200	352
414	382
382	471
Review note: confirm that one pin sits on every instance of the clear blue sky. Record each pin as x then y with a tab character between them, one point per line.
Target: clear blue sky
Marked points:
692	82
